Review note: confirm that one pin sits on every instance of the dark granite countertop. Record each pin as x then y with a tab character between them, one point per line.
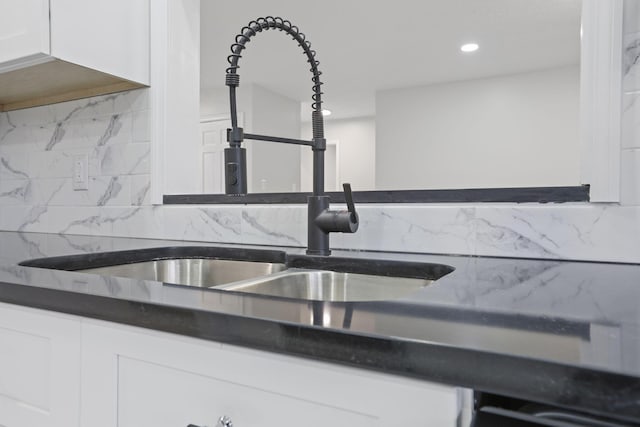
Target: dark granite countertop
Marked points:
563	333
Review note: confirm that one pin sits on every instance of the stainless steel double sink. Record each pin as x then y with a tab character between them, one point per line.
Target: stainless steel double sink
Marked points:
262	272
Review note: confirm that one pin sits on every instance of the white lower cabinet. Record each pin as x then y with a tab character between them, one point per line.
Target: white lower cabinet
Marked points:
67	371
39	368
145	378
157	395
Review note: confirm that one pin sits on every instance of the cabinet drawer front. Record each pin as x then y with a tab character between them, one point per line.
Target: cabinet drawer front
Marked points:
155	395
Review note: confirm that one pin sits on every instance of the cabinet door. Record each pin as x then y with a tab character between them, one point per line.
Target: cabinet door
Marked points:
39	368
136	378
109	36
24	31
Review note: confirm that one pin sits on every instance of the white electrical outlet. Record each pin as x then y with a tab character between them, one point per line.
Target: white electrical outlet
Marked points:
80	175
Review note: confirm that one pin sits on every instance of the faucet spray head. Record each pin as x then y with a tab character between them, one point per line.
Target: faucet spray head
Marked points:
235	164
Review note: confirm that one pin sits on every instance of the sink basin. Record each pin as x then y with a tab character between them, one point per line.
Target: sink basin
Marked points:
330	286
264	272
182	265
201	272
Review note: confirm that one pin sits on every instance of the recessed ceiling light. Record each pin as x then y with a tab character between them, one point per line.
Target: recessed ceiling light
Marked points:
326	112
469	47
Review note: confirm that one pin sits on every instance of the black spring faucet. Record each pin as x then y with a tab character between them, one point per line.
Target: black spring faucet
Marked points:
321	220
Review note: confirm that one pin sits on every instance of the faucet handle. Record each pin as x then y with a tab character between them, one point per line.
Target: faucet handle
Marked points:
348	196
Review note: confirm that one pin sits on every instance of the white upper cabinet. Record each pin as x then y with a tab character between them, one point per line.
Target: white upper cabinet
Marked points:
59	50
24	32
110	36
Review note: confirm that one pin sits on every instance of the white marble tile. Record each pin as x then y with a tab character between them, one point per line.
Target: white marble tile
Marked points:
616	233
630	177
137	221
568	231
134	100
13	218
140	190
89	133
110	190
141	126
124	159
59	164
99	106
284	225
35	219
529	231
14	135
22	246
23	148
87	108
14	165
62	244
46	191
203	223
16	192
41	136
103	191
631	63
36	116
84	220
631	16
5	125
412	228
630	131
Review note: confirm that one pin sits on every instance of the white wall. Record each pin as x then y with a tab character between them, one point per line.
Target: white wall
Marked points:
356	139
215	102
436	136
276	166
273	167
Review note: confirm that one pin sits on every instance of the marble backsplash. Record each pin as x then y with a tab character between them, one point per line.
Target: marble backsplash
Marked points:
37	147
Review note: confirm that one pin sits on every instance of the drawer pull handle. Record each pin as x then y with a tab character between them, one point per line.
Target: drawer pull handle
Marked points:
223	421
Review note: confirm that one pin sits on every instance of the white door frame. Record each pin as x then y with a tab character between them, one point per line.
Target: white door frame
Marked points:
601	98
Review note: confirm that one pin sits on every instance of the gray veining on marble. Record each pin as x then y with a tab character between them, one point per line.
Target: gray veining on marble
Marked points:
12	171
112	129
112	191
57	136
6	126
272	226
140	191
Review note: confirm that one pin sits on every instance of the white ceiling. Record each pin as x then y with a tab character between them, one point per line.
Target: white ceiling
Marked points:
364	46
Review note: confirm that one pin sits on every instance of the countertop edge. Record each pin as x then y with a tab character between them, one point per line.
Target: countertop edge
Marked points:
519	377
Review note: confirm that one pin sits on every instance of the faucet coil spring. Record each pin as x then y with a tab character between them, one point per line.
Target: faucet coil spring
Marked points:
264	24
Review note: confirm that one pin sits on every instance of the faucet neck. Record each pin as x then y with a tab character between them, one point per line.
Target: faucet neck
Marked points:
318	167
264	24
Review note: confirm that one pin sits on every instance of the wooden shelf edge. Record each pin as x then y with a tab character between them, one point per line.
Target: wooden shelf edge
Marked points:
71	96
